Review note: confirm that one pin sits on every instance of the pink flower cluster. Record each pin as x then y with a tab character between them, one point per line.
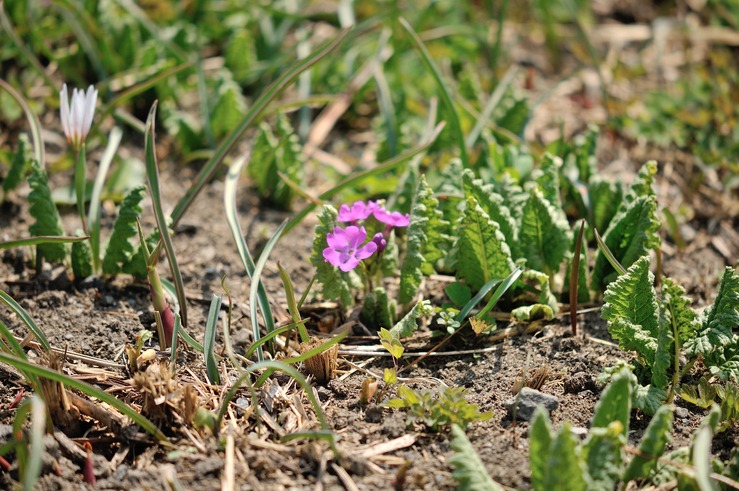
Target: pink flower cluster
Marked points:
346	247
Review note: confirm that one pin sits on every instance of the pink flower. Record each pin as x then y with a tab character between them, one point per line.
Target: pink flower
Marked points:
395	218
358	211
345	248
379	239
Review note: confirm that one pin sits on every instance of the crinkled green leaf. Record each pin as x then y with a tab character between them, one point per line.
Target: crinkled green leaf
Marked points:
649	398
81	257
272	154
44	211
493	204
540	442
547	177
19	166
336	284
513	195
120	250
565	465
542	292
528	313
469	471
377	310
482	253
631	234
604	456
652	443
424	233
605	198
676	308
632	312
136	266
719	319
544	236
229	109
409	323
603	449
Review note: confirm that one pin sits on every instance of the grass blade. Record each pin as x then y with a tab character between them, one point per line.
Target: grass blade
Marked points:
255	288
608	254
490	106
292	305
152	174
93	214
42	239
33	122
274	366
574	278
79	184
504	286
444	94
288	76
232	217
189	340
86	388
476	299
36	444
211	366
27	320
268	337
175	339
11	344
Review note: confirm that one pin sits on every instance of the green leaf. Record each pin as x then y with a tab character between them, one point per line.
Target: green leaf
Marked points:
649	398
604	456
539	290
336	284
548	180
482	252
377	311
652	444
272	155
423	241
605	197
540	442
120	250
565	466
633	231
615	402
719	319
391	342
229	109
409	323
81	260
494	205
458	293
544	236
632	312
676	308
528	313
19	166
44	211
469	471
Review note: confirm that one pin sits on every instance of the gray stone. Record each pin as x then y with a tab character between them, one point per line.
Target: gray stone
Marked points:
682	413
528	400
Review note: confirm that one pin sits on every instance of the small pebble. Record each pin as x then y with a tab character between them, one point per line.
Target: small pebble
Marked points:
682	413
528	400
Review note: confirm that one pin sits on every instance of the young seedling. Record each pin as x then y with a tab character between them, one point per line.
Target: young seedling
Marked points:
162	310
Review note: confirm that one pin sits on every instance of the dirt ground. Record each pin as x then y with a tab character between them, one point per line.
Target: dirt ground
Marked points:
98	317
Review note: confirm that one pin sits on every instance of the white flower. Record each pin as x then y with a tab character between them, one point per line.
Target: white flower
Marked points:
77	120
